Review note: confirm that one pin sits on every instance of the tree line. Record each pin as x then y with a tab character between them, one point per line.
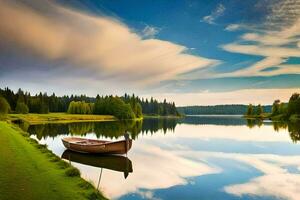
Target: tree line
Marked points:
124	107
152	106
255	110
286	110
234	109
279	109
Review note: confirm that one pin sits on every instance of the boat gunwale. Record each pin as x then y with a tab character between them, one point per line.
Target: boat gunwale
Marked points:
105	142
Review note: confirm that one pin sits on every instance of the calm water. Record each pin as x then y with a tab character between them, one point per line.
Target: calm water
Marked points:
199	157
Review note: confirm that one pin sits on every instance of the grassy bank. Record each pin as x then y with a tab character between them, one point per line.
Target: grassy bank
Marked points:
59	118
29	171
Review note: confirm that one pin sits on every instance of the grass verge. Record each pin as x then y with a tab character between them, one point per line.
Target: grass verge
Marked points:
59	118
30	171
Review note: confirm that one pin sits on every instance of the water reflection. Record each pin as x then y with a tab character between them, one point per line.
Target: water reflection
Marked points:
112	162
229	120
111	130
199	157
292	127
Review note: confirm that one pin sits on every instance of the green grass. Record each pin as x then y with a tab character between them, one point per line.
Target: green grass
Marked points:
59	118
29	171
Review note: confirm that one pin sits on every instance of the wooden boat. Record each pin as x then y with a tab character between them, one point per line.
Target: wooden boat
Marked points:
83	145
112	162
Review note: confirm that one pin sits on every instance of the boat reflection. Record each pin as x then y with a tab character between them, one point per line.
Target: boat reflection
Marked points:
112	162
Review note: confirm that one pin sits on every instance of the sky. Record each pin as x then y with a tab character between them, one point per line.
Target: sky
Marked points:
202	52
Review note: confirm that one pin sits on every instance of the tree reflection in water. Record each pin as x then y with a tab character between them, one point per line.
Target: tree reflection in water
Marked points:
116	129
292	127
111	129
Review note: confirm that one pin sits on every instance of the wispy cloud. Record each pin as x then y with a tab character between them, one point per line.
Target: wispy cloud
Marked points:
150	31
233	27
275	41
215	14
103	45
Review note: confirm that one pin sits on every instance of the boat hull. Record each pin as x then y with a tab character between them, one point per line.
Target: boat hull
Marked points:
97	146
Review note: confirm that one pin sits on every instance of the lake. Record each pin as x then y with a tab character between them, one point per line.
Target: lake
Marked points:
199	157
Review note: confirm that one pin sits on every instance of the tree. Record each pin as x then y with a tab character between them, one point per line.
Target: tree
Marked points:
250	110
80	107
275	107
259	110
283	108
139	112
114	106
22	108
4	106
294	104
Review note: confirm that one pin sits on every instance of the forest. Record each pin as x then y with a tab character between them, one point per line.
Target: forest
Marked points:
123	107
234	109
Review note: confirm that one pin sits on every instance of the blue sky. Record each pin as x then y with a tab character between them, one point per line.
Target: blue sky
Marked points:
189	51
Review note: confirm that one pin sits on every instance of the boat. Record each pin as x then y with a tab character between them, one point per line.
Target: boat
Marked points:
84	145
112	162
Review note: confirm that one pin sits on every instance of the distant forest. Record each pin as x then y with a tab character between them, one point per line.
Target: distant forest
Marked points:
124	107
218	110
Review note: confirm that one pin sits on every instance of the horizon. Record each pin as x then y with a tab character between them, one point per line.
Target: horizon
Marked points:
188	52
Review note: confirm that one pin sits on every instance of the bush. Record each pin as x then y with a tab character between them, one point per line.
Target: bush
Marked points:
22	108
4	106
114	106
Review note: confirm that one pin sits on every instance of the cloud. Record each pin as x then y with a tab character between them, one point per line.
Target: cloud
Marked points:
258	68
208	132
275	42
276	181
106	47
215	14
233	27
262	50
150	31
